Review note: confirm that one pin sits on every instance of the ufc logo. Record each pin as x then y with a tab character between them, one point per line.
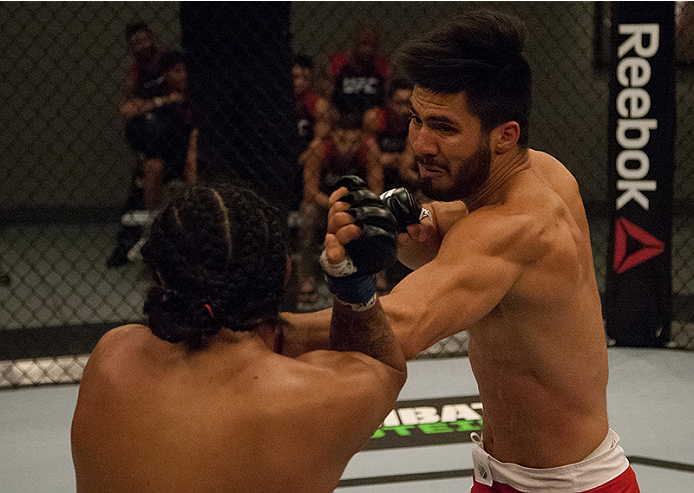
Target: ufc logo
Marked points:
356	85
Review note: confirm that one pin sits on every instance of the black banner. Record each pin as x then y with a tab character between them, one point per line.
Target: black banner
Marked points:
240	77
641	163
418	423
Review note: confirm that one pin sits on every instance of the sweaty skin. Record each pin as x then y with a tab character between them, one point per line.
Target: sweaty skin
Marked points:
152	417
514	269
234	416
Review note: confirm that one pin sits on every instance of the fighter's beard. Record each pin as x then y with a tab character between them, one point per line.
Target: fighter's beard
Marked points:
469	178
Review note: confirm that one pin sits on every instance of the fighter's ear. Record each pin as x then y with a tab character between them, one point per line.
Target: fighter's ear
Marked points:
288	271
505	137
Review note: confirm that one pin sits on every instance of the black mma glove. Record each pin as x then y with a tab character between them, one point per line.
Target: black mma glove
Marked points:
353	281
376	247
404	206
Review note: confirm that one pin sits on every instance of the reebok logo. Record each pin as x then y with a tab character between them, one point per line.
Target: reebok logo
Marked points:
633	105
632	246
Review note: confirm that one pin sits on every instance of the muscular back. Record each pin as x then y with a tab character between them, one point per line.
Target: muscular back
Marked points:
152	417
518	274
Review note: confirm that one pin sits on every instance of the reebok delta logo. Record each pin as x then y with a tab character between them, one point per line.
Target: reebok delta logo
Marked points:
633	245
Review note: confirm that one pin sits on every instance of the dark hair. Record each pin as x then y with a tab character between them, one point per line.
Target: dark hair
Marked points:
222	247
171	58
479	54
136	27
398	84
303	61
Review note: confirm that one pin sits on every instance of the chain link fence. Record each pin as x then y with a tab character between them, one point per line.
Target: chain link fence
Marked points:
71	177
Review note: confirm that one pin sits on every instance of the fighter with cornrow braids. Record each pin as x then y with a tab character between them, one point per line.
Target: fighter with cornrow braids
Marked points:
228	265
201	399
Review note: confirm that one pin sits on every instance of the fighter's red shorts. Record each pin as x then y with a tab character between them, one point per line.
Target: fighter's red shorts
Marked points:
606	471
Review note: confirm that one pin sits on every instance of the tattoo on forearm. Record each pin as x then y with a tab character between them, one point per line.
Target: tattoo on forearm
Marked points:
367	332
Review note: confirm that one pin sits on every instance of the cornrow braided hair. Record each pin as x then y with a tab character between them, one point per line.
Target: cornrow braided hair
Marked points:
222	247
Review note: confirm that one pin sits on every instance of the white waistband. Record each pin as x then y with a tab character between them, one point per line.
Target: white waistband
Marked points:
591	472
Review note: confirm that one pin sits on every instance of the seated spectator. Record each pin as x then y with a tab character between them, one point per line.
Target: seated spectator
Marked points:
161	127
143	75
202	399
313	111
347	150
313	114
145	70
359	78
397	157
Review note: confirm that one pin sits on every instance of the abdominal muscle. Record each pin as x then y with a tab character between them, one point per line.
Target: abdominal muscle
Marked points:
544	406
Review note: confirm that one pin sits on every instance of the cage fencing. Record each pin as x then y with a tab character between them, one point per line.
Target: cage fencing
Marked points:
77	182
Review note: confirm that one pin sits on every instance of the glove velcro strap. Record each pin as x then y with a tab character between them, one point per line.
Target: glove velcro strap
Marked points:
357	292
360	307
404	206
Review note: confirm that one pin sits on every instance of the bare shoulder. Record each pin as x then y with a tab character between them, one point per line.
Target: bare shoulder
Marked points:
354	388
546	220
357	384
537	216
343	395
510	231
557	196
117	348
108	363
124	335
446	214
353	370
556	176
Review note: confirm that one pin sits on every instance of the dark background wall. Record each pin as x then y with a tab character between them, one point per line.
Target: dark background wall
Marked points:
65	167
64	64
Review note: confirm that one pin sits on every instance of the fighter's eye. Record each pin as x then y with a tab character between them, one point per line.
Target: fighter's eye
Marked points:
445	129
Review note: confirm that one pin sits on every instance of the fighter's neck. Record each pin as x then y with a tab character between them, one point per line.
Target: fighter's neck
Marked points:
269	333
503	168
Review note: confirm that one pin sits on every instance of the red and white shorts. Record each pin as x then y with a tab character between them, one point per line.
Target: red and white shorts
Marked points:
606	470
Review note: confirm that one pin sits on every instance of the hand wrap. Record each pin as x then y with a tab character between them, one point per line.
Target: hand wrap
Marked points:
353	280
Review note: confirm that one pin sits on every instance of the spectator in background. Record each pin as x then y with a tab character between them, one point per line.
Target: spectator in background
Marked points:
347	150
144	74
146	67
313	113
165	129
161	128
397	158
359	78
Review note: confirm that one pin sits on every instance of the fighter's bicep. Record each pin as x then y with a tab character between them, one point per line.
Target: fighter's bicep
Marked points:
465	281
466	290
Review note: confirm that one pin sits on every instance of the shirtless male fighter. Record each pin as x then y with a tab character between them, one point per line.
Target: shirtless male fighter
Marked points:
200	401
506	255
